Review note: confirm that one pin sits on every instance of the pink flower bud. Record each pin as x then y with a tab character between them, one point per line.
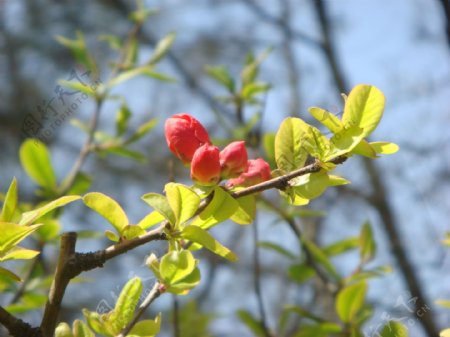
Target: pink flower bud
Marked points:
258	170
233	159
205	165
184	135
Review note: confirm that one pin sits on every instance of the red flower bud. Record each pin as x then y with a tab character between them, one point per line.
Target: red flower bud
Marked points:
205	165
233	159
184	135
258	170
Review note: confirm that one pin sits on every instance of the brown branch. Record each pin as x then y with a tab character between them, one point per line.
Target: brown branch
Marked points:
16	326
60	282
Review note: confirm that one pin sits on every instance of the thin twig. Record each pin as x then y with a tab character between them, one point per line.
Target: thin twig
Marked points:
16	326
60	282
153	295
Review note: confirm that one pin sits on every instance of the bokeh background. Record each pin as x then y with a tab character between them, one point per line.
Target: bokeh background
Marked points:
320	49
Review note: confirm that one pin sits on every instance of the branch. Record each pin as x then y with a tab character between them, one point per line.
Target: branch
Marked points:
60	282
153	295
16	326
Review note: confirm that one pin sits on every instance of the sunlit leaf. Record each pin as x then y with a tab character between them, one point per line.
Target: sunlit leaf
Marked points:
36	162
107	208
161	48
146	328
175	266
394	329
5	273
246	211
384	147
183	201
160	204
202	237
222	76
151	219
330	121
18	253
350	301
10	203
126	304
12	234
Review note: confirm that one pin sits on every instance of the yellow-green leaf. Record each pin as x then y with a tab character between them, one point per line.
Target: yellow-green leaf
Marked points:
384	147
146	328
161	205
311	185
330	121
107	208
78	86
10	203
162	48
367	244
175	266
290	153
183	201
31	216
36	162
126	304
12	234
350	301
364	108
246	212
151	219
9	274
221	208
19	253
202	237
395	329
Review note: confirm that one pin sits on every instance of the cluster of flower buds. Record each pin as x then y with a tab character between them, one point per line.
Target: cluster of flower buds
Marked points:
190	142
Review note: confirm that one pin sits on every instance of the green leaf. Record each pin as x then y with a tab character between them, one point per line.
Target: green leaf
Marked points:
139	71
5	273
175	266
19	253
12	234
341	246
183	286
122	117
81	184
127	153
79	50
183	201
337	181
29	301
250	71
142	131
221	208
445	333
31	216
113	41
80	329
222	76
364	108
202	237
277	248
254	88
384	147
443	303
368	274
394	329
367	244
300	272
252	323
49	230
78	86
107	208
350	301
132	231
162	48
246	212
317	144
126	304
63	330
365	149
161	205
10	203
151	219
319	330
112	236
269	147
345	141
320	257
146	328
330	121
289	140
36	162
311	185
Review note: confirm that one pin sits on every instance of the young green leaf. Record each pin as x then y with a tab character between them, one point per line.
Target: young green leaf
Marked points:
36	162
384	147
311	185
364	108
394	329
334	180
162	48
252	323
107	208
290	153
131	231
126	304
175	266
161	205
202	237
5	273
367	244
146	328
345	141
277	248
365	149
222	76
80	329
183	201
139	71
18	253
10	203
31	216
151	219
246	211
142	130
63	330
319	256
122	117
221	208
12	234
330	121
350	301
183	286
78	86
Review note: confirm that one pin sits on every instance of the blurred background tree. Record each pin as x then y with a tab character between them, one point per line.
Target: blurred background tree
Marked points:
320	49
